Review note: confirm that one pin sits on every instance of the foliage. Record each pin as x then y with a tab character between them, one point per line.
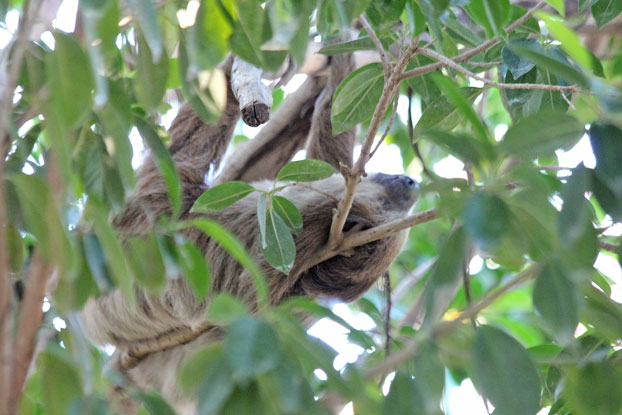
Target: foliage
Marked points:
548	332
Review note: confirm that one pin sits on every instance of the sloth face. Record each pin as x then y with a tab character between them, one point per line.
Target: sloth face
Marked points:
400	192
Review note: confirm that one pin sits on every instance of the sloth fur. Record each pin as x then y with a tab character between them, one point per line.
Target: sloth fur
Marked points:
196	147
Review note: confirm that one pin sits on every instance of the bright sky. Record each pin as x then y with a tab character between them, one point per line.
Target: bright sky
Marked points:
460	399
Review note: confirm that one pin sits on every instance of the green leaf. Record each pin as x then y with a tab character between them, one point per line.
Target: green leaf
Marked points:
221	196
462	103
606	140
356	97
584	4
460	145
556	299
251	31
423	85
251	348
574	213
99	21
165	163
558	5
60	382
593	388
542	133
151	75
43	219
504	373
492	15
70	81
305	171
113	251
384	13
462	34
208	38
288	212
194	268
518	65
116	119
154	404
145	14
404	397
446	273
225	309
548	60
278	245
570	43
233	246
486	219
442	114
145	260
605	10
206	91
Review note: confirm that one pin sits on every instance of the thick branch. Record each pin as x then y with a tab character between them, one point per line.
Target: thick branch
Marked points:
450	63
352	179
30	320
254	97
353	240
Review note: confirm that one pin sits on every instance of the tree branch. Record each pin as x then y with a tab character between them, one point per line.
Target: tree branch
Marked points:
450	63
30	320
384	58
352	179
254	97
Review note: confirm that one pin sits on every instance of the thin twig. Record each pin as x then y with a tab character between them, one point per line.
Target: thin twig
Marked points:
387	313
384	58
387	129
450	63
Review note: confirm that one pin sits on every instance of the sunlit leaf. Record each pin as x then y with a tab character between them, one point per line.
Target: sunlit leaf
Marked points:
305	171
593	388
356	97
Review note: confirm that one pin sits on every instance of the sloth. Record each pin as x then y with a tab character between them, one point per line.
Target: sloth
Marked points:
196	148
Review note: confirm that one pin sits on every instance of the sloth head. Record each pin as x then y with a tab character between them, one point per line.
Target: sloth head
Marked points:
380	198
